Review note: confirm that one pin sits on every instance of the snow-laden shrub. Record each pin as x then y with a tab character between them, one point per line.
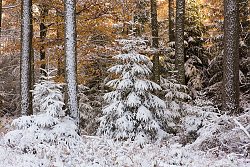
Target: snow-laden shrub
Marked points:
50	134
205	127
100	152
89	108
186	117
48	94
225	134
176	95
196	115
132	110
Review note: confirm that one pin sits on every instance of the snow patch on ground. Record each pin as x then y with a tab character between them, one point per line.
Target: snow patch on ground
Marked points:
100	152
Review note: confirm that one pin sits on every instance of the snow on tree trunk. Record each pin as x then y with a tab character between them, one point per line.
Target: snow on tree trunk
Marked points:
231	57
26	58
179	40
70	63
133	112
171	19
155	41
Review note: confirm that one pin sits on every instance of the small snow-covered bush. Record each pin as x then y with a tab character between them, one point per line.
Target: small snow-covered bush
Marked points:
132	110
49	134
205	127
101	152
186	117
89	108
176	96
47	94
225	134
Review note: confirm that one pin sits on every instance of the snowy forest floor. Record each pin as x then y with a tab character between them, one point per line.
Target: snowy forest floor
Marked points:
100	152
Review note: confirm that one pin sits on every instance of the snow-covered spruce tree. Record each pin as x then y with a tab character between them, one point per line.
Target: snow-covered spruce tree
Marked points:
186	118
132	112
176	97
42	91
50	134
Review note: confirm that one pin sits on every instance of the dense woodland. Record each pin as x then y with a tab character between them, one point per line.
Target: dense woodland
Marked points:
125	83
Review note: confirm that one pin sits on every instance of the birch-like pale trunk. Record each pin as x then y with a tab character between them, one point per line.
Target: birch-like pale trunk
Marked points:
231	57
70	60
179	40
26	58
155	41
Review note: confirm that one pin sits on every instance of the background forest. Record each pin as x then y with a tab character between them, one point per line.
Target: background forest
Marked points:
125	83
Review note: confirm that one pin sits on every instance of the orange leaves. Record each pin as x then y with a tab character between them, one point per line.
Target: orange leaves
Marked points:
95	33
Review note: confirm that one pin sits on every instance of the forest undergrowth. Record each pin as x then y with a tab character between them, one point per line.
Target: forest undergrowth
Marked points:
208	138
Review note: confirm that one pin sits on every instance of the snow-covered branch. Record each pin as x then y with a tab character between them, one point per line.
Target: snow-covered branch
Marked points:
245	130
10	6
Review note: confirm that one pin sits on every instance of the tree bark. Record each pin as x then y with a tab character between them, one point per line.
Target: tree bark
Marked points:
1	11
70	59
60	56
171	19
43	32
155	41
179	40
231	57
26	58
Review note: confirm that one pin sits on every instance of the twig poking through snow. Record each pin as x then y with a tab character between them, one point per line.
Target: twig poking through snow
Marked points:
242	127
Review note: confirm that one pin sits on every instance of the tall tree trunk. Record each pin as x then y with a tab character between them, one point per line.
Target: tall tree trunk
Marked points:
155	41
231	57
1	11
43	32
179	40
171	19
70	56
26	58
60	56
